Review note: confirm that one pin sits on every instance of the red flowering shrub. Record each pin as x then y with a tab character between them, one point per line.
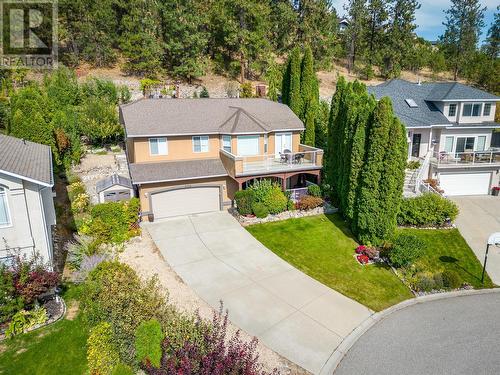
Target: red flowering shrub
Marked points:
363	259
210	354
360	249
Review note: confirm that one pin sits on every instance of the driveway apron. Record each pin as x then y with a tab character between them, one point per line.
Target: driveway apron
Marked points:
480	217
288	311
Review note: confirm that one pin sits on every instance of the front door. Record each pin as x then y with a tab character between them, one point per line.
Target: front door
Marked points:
283	141
415	146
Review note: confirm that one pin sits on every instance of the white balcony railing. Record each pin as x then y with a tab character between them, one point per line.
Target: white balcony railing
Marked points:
466	158
283	161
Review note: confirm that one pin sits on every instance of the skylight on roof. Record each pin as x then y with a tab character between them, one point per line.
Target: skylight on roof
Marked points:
411	103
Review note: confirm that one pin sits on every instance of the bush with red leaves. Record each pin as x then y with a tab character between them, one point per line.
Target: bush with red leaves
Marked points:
363	259
214	355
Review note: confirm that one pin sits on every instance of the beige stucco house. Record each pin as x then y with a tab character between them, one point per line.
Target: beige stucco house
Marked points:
192	155
450	130
27	214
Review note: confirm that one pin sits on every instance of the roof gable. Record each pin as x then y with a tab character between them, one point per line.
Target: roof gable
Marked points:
444	91
26	160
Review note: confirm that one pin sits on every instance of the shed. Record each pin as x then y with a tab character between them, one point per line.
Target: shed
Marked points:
114	188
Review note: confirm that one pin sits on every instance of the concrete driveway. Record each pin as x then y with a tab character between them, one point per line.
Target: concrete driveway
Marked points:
480	217
449	336
288	311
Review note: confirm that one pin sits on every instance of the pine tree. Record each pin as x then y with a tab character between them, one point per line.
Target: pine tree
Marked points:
375	33
358	18
294	97
492	46
464	21
368	204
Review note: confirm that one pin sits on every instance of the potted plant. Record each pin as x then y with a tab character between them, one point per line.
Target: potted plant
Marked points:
495	190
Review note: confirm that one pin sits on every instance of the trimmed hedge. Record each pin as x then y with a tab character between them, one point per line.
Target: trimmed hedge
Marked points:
426	209
148	338
406	249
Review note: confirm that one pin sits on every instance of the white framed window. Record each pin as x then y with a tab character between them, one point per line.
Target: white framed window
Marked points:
452	110
200	143
4	208
448	144
473	110
487	109
158	146
481	143
226	143
248	145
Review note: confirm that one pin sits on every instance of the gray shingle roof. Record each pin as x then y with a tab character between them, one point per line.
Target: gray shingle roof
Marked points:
112	180
148	117
458	91
27	160
176	170
426	114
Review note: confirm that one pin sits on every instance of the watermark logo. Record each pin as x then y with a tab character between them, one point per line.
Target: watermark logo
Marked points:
28	34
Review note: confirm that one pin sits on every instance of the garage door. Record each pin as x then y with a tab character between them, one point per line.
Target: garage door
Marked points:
185	201
465	183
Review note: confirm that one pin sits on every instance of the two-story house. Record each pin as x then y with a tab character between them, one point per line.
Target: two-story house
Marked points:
191	155
450	127
27	213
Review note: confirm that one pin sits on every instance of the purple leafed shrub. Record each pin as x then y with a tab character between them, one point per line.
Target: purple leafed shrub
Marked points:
214	354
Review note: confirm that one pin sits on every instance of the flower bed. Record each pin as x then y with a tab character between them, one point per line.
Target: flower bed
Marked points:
251	220
366	255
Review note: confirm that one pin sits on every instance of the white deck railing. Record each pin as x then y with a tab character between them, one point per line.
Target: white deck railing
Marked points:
466	158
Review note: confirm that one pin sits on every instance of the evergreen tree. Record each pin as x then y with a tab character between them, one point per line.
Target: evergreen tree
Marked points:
274	78
321	130
375	33
310	124
400	35
492	46
185	37
141	41
307	82
358	18
464	21
285	82
294	97
368	204
284	25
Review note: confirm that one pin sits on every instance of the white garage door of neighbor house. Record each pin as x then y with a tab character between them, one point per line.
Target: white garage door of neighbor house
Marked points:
185	201
465	183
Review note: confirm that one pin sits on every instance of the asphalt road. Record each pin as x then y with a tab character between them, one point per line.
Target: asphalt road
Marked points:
451	336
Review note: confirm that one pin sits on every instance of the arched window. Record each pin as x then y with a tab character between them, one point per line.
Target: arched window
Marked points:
4	208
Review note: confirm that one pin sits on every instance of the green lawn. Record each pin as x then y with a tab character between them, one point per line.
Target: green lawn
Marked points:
322	247
446	249
57	349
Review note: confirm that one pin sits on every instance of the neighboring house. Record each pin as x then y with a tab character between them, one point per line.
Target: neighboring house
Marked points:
114	188
27	212
450	128
343	24
192	155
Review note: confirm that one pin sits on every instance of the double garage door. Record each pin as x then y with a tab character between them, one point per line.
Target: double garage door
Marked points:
465	183
185	201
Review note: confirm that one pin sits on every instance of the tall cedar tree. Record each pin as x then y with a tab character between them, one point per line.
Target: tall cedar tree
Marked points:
294	97
141	41
309	97
372	223
185	36
464	21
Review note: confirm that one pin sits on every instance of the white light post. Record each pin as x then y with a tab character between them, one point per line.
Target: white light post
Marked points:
494	240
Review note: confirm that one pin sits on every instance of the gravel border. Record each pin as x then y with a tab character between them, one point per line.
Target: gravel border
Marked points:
339	354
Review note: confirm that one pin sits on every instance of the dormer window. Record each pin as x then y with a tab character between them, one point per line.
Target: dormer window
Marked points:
473	110
452	110
487	109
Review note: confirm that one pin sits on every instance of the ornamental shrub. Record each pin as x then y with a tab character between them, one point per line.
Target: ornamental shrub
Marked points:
270	194
10	302
23	320
148	338
260	210
122	369
426	209
426	283
308	202
244	200
314	190
113	292
406	249
102	355
451	279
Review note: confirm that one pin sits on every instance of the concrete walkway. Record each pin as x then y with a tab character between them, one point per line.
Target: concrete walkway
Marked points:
480	217
288	311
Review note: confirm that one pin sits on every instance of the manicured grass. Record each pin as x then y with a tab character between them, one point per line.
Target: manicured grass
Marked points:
322	247
446	249
57	349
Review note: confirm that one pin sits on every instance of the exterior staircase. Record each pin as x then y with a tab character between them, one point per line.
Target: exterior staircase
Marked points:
410	186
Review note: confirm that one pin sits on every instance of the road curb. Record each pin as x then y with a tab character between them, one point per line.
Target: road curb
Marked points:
346	344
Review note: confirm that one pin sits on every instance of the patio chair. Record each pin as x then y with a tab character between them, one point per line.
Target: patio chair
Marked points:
285	156
297	159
